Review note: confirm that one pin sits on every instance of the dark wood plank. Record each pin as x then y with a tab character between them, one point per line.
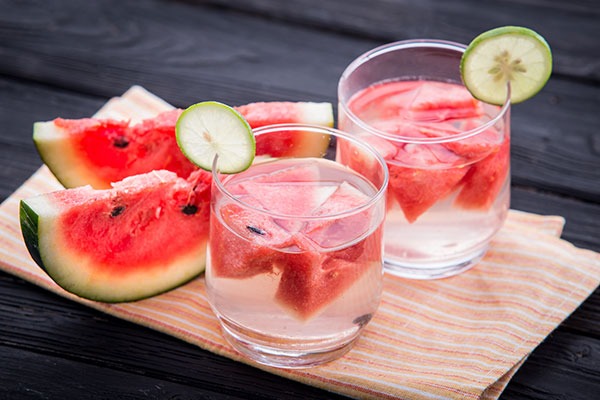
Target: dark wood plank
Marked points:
216	54
55	328
41	376
571	28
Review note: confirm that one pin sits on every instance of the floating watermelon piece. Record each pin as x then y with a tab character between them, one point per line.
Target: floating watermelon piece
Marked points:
308	283
484	180
331	233
144	236
472	148
442	101
97	152
254	237
416	190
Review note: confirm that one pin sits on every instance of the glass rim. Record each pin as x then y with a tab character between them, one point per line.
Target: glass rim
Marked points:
406	44
373	199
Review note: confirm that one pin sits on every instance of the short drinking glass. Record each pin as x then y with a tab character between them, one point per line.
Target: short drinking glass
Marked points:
448	154
295	258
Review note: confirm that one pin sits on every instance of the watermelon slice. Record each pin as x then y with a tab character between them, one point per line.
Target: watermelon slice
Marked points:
97	152
484	180
144	236
291	143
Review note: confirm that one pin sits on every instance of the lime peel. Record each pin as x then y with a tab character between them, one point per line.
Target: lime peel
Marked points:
208	129
508	55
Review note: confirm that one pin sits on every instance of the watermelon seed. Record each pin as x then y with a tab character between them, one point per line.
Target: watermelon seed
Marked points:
256	230
362	320
121	142
189	209
118	210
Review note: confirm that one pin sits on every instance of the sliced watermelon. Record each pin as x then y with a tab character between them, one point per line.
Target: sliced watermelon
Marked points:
97	152
311	281
256	239
416	190
441	101
484	180
291	143
144	236
331	233
472	148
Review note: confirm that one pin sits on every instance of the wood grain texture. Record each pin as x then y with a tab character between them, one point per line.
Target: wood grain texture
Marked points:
119	350
572	29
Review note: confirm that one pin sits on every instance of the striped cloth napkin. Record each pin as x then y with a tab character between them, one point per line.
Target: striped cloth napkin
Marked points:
461	337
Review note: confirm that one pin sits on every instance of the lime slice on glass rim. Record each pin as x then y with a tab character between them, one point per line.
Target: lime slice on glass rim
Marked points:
509	55
210	129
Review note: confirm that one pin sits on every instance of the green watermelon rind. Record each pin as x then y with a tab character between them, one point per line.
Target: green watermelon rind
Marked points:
37	222
56	152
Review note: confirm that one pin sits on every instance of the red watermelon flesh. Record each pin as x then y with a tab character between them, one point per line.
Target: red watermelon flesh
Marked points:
309	282
414	101
331	233
256	238
115	150
442	101
97	152
419	182
472	148
416	190
145	236
485	179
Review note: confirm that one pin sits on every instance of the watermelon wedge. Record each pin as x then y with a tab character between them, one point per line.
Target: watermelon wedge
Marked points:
97	152
146	235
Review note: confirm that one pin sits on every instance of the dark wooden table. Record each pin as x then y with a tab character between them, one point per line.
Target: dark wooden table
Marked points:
66	58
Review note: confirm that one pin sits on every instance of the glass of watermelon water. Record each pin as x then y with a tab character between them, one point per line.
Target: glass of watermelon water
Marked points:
295	255
447	154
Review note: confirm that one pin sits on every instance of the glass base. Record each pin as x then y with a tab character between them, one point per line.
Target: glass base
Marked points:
283	353
433	270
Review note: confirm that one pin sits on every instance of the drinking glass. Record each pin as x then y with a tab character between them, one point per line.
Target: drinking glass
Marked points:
448	154
294	270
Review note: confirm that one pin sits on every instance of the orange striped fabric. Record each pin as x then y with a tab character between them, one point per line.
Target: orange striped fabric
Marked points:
460	337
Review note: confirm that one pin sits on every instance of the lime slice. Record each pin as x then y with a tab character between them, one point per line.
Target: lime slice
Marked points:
210	128
508	54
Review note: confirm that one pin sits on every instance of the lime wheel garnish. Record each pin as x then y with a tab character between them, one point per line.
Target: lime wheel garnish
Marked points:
507	56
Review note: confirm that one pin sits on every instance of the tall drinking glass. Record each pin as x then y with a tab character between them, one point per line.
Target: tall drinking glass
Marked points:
295	255
448	154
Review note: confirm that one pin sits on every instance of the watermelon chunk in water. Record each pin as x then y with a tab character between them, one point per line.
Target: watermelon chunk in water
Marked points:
484	180
256	239
97	152
416	189
144	236
330	233
424	177
309	282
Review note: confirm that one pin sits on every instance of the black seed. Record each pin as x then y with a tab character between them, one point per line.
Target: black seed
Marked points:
256	230
189	209
121	142
118	210
362	320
